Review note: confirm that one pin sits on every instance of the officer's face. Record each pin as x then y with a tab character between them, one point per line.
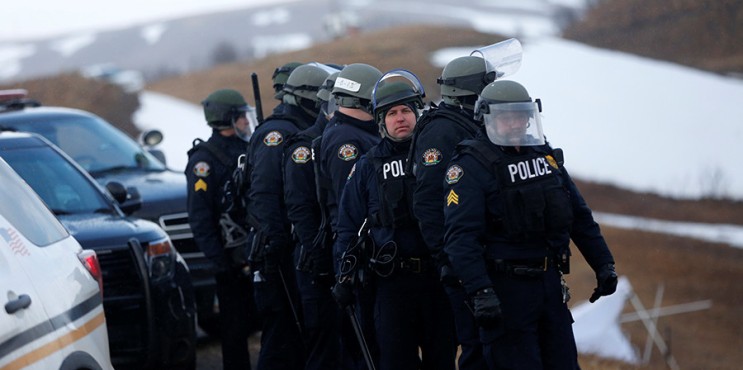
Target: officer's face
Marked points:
400	121
512	125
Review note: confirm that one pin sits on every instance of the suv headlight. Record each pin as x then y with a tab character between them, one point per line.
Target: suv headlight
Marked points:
160	256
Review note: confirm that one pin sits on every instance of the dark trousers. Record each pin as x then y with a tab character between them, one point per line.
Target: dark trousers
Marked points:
281	342
468	335
321	329
236	312
352	357
411	314
536	331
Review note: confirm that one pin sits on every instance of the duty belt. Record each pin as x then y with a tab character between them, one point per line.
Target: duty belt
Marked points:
522	267
414	264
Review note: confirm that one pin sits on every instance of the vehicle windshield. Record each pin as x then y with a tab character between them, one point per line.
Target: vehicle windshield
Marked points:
22	208
93	143
63	188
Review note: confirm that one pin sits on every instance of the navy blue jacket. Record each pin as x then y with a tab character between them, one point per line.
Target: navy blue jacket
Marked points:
206	176
361	200
343	142
434	148
300	192
473	201
266	194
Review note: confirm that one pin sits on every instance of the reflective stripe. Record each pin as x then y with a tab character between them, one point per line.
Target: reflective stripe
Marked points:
61	342
51	325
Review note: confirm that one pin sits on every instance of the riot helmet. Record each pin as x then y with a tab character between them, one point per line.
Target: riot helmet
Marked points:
279	77
223	109
303	84
395	88
354	84
509	115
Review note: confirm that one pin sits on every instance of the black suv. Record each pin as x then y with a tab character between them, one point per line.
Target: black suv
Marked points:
110	155
147	293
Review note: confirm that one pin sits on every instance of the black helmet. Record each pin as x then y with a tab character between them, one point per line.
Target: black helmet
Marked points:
354	84
279	77
509	115
223	107
396	87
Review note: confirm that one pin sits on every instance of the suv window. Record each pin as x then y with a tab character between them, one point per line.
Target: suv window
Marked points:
70	193
93	143
36	223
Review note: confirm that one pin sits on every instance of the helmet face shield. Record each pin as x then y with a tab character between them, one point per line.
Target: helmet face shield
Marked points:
394	76
513	124
503	58
245	131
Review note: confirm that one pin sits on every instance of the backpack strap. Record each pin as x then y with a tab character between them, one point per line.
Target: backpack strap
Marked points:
215	150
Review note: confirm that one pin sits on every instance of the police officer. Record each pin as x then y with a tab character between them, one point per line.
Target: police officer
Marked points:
210	166
411	311
276	296
279	77
437	133
511	210
314	264
350	133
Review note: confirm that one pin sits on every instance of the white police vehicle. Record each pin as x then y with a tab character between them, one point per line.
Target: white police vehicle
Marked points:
52	316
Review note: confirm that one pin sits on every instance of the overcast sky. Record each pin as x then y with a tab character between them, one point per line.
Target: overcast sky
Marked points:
28	20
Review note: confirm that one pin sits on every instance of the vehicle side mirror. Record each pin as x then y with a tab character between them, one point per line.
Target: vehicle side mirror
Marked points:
128	198
151	138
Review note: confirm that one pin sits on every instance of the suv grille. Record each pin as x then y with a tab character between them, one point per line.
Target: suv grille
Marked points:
176	225
126	301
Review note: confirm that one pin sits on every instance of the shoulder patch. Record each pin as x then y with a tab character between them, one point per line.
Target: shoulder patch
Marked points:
452	198
454	174
199	185
301	155
431	157
350	173
201	169
273	138
348	152
552	162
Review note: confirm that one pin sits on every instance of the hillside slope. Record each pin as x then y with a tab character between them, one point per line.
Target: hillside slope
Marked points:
689	270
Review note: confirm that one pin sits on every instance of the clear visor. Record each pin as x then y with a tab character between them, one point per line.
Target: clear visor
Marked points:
329	108
503	58
325	67
398	75
245	130
514	124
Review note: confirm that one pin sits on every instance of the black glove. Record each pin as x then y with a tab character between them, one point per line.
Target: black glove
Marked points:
343	294
272	258
606	282
486	308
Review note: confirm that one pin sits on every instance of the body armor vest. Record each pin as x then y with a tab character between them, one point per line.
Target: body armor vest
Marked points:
395	191
533	198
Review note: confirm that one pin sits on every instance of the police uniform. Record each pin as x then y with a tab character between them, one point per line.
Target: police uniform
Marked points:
342	143
276	294
314	269
438	131
509	217
206	173
410	309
